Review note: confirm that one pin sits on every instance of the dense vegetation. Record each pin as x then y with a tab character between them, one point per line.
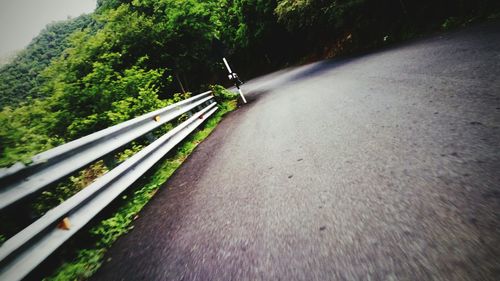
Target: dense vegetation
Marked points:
369	21
20	79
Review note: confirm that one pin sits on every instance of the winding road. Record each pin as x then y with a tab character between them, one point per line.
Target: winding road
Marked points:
382	166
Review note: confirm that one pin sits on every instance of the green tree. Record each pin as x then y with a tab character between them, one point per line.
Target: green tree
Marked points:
20	79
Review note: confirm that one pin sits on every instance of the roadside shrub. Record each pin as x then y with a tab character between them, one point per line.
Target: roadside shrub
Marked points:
221	94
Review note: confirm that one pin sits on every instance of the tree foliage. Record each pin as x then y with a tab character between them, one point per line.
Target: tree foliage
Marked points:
111	74
369	21
20	79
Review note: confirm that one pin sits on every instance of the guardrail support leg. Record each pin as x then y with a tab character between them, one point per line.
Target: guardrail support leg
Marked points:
242	96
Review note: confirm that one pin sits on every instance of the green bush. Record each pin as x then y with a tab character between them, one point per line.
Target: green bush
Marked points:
221	94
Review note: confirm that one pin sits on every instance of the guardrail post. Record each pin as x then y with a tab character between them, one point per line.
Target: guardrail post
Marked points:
234	77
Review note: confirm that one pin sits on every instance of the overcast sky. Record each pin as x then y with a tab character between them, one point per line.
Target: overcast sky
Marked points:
21	20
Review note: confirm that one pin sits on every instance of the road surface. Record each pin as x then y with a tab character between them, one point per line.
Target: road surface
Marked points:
384	166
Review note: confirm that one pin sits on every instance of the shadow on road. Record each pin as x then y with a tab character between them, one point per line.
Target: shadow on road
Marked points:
316	69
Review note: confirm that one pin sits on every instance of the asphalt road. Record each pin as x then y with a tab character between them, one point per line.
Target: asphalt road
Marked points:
384	166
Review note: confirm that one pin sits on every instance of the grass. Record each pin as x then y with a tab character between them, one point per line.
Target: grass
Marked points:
107	231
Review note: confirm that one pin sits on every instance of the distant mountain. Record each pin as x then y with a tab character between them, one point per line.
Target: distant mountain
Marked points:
20	75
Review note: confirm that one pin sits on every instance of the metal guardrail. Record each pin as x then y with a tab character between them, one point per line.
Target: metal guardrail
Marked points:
27	249
47	167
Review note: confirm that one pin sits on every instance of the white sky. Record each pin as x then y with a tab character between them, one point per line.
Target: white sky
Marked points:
21	20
